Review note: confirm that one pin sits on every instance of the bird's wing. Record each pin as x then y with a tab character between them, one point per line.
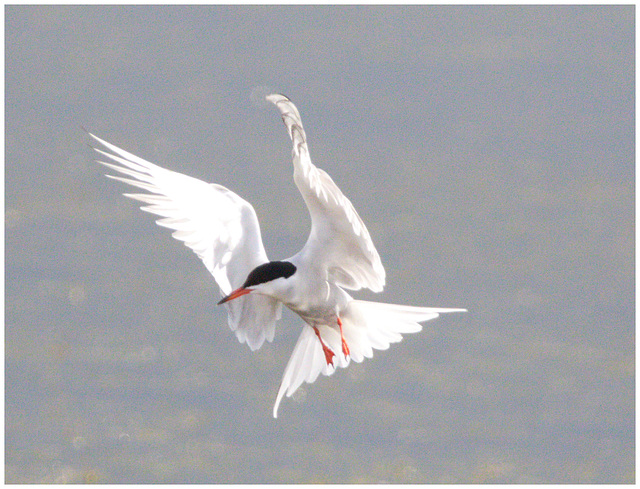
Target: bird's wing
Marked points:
218	225
339	240
366	326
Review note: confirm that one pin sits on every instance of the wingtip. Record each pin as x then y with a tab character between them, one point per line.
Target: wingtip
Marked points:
274	98
90	135
96	138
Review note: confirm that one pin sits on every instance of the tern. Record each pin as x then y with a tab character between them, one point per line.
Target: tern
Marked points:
223	230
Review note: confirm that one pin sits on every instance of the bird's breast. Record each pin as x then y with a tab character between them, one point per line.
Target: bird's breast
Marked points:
320	303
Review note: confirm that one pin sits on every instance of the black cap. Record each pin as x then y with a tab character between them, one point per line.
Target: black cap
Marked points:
269	271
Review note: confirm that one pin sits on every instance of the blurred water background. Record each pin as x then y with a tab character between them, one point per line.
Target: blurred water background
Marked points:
490	150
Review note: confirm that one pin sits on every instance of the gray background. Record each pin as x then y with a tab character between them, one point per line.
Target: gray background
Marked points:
490	152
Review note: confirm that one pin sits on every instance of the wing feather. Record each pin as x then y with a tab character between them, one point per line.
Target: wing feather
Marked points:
217	224
338	239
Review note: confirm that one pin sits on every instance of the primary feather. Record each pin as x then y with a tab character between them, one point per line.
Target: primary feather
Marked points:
338	239
217	224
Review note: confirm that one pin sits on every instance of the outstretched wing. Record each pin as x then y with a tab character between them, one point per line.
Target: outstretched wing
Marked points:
366	326
339	240
218	225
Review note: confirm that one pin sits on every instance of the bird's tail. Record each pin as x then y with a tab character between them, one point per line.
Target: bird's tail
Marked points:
366	326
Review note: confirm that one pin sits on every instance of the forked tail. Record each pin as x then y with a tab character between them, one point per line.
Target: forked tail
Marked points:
366	326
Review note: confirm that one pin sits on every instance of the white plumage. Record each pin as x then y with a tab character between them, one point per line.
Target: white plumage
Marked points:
223	230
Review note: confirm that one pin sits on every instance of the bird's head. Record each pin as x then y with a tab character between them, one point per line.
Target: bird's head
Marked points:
263	279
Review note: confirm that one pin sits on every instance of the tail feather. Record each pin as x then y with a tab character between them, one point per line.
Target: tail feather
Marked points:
366	326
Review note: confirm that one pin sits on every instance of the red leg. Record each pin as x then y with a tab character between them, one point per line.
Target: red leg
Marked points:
328	354
345	348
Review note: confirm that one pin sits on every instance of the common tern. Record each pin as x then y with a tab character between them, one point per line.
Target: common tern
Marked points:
223	230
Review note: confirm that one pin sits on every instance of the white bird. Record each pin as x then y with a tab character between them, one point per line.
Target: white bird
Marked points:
223	230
